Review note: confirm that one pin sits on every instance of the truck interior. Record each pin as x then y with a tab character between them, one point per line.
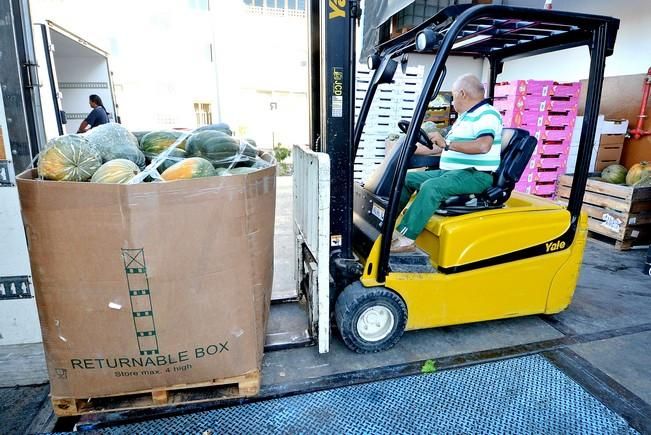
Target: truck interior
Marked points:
477	255
70	69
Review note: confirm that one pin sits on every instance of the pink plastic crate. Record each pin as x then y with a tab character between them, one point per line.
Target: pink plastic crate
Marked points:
554	148
567	117
535	102
549	133
536	188
511	118
540	175
533	118
509	103
513	87
539	87
562	104
548	162
566	89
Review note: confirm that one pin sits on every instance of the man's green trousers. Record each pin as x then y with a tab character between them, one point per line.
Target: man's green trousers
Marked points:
433	188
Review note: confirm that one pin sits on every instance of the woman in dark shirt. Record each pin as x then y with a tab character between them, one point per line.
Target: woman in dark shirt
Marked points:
97	116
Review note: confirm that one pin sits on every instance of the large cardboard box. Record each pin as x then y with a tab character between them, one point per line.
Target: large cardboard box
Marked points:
150	285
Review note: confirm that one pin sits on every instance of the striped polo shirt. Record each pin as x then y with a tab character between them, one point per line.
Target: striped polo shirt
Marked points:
481	120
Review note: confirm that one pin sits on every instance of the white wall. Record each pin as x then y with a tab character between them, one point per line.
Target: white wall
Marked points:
632	53
456	66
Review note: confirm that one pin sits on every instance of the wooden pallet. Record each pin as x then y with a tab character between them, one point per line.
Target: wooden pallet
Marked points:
621	213
218	389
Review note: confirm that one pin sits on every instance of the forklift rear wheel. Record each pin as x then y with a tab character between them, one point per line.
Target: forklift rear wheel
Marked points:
370	319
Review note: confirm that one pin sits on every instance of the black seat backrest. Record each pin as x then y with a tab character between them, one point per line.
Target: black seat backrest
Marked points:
517	149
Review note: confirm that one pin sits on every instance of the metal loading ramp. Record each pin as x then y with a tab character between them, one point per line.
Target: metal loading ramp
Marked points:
519	395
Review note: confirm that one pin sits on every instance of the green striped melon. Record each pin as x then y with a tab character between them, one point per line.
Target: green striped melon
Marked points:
219	148
193	167
118	171
222	127
155	142
69	158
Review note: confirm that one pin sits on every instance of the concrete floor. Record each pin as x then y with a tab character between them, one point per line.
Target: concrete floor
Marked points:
601	340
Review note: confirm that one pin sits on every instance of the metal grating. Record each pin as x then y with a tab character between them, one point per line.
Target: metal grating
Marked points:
522	395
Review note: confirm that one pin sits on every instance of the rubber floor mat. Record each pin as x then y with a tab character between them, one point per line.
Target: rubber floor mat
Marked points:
520	396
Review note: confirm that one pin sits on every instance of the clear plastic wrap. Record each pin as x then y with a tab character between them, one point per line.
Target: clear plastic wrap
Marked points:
228	157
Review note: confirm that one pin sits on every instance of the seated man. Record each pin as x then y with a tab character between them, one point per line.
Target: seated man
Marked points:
470	152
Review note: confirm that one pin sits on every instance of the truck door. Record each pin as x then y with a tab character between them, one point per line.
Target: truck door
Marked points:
53	117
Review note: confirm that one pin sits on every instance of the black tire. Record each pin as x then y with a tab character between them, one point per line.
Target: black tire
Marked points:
354	301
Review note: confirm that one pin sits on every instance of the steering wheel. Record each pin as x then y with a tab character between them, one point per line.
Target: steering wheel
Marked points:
423	138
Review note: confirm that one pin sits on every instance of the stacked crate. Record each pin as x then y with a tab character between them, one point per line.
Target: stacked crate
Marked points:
547	110
392	103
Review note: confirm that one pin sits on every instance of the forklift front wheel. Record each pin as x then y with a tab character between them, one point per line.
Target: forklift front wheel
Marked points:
370	319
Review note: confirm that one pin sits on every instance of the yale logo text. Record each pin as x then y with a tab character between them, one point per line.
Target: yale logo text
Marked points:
554	246
337	9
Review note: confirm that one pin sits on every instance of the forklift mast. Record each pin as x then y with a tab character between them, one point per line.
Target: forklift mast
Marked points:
331	27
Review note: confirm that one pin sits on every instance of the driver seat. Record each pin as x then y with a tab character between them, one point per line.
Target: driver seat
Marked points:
516	153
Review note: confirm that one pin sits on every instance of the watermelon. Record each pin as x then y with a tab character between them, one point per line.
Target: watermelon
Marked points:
175	156
140	134
69	158
615	174
116	142
117	171
155	142
219	148
222	127
193	167
638	172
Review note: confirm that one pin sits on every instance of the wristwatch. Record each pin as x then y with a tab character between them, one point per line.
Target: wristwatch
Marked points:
447	145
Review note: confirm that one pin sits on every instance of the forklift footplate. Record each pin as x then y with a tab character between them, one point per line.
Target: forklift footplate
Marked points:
411	262
520	395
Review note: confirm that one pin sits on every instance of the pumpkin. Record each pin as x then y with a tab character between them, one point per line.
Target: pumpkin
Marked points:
615	174
638	172
193	167
155	142
117	171
69	158
219	148
116	142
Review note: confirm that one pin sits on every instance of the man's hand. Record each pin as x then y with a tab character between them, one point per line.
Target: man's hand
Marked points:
438	140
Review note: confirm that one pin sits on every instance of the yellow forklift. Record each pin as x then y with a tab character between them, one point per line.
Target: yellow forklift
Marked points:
495	255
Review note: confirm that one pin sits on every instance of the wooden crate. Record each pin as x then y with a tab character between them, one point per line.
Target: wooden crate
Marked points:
622	213
218	389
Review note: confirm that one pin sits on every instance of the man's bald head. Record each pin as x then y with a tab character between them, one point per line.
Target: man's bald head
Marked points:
467	91
471	84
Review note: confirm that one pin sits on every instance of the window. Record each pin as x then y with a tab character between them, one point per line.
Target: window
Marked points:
300	5
203	113
271	3
291	4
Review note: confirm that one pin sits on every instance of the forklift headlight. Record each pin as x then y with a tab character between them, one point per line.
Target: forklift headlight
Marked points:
373	62
426	40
